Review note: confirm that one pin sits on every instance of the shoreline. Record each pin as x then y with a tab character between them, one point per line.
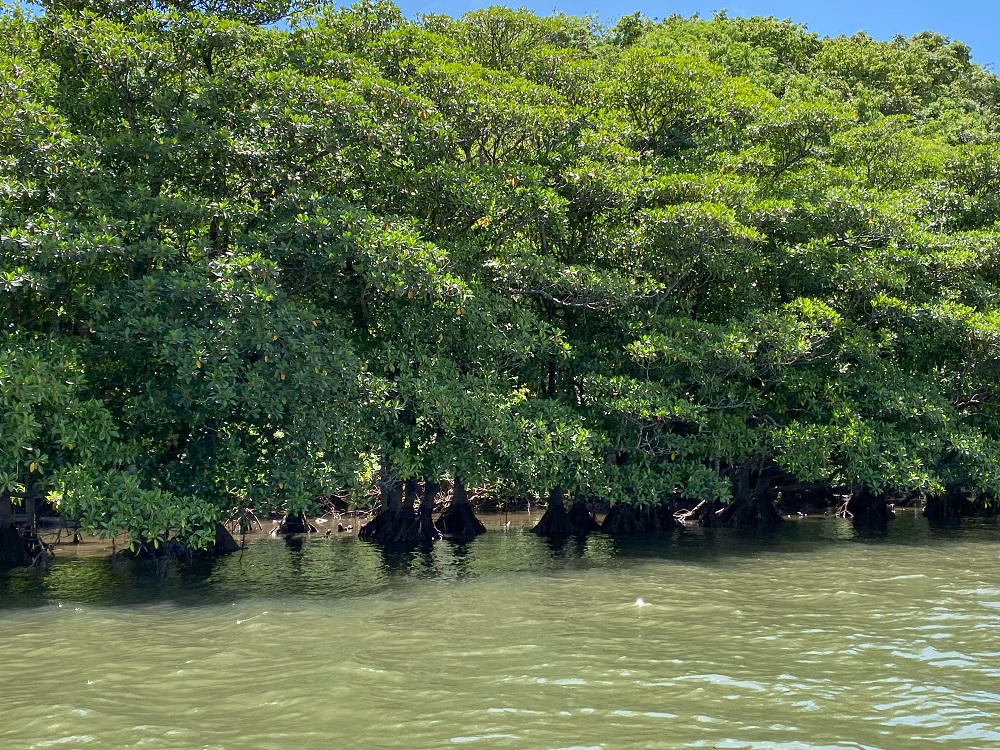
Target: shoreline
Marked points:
514	522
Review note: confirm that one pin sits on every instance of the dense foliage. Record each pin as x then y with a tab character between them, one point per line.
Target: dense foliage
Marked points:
251	263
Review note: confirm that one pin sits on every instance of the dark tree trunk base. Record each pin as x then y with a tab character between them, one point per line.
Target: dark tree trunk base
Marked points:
709	516
224	542
941	509
294	525
956	504
805	499
659	518
755	511
427	532
626	518
458	522
555	523
865	508
581	517
13	548
755	491
388	528
622	518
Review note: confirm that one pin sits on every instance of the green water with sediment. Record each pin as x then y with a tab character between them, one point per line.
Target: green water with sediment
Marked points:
811	636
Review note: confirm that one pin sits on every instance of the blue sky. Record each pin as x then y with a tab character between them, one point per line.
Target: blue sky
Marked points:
975	22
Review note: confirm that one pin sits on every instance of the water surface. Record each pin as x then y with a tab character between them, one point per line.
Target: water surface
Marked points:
808	637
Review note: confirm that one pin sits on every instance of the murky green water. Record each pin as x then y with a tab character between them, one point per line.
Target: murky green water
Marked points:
808	637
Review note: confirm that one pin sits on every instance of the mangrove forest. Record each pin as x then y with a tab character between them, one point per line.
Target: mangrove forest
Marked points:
260	256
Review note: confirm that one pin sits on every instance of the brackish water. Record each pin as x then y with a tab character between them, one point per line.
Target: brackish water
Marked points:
808	637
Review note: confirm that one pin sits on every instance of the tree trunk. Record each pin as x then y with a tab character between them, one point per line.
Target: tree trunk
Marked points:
660	518
755	510
947	507
6	509
392	496
555	523
631	518
814	497
865	508
396	521
295	524
224	542
425	517
32	493
13	548
708	517
754	493
458	522
622	519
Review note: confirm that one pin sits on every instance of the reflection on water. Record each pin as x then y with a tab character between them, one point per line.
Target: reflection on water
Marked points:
811	635
344	567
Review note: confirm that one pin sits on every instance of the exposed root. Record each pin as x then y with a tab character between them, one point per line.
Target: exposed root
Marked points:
43	559
705	513
242	519
659	518
41	553
693	514
75	537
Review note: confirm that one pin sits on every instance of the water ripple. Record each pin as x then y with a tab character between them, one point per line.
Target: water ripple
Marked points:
746	643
